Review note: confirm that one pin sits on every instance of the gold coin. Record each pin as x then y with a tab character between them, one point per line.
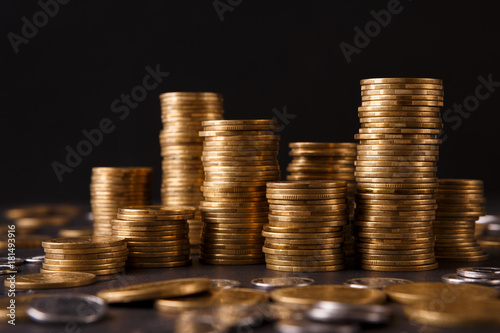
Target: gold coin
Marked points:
401	80
401	86
215	297
302	253
84	262
308	262
389	108
286	246
86	251
83	242
428	291
154	290
395	253
53	280
318	184
394	247
310	269
232	261
403	102
270	228
108	271
310	295
88	256
418	268
157	210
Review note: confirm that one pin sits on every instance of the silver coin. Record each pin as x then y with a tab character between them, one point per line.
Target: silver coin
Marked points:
479	272
374	282
8	261
34	259
307	326
455	278
225	283
280	282
7	269
63	308
331	312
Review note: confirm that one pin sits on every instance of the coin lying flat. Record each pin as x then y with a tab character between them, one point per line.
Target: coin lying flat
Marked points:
374	282
341	312
214	297
154	290
225	284
456	278
336	293
459	313
66	308
280	282
479	272
427	291
54	280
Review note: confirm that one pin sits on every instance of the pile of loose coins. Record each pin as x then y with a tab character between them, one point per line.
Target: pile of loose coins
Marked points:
488	276
181	148
112	188
99	255
304	233
157	236
460	203
327	161
239	157
396	173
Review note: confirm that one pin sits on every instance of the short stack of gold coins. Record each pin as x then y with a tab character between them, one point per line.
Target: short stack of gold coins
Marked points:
460	203
239	157
304	233
396	173
157	236
327	161
112	188
181	148
100	255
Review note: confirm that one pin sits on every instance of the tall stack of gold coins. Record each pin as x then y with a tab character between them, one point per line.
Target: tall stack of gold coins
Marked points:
396	173
460	203
100	255
157	236
239	157
327	161
112	188
181	147
304	233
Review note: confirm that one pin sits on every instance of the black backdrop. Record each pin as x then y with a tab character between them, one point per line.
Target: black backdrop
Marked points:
261	55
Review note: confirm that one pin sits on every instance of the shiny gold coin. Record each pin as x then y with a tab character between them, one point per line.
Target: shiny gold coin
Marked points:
402	86
306	184
428	291
83	242
401	80
304	263
88	256
53	280
84	262
86	251
402	102
154	290
157	210
310	295
306	269
303	253
159	264
80	268
215	297
232	261
418	268
96	272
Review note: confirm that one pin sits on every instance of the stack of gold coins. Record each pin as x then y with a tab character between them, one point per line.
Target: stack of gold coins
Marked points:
460	203
181	148
239	157
157	236
304	233
112	188
396	173
100	255
327	161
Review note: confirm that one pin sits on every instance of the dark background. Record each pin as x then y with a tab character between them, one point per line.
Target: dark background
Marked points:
263	55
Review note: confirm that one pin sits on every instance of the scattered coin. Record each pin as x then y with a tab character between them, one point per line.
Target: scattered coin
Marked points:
66	308
342	312
456	278
281	282
34	259
225	284
479	272
374	282
53	280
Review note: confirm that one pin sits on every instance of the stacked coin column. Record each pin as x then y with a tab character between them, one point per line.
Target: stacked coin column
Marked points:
181	147
460	204
100	255
239	157
157	236
112	188
304	233
396	173
327	161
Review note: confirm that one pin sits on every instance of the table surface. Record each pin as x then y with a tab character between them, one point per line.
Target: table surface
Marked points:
143	318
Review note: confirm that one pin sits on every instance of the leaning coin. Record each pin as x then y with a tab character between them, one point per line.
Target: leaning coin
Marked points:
479	272
374	282
279	282
66	308
34	259
455	278
338	312
54	280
